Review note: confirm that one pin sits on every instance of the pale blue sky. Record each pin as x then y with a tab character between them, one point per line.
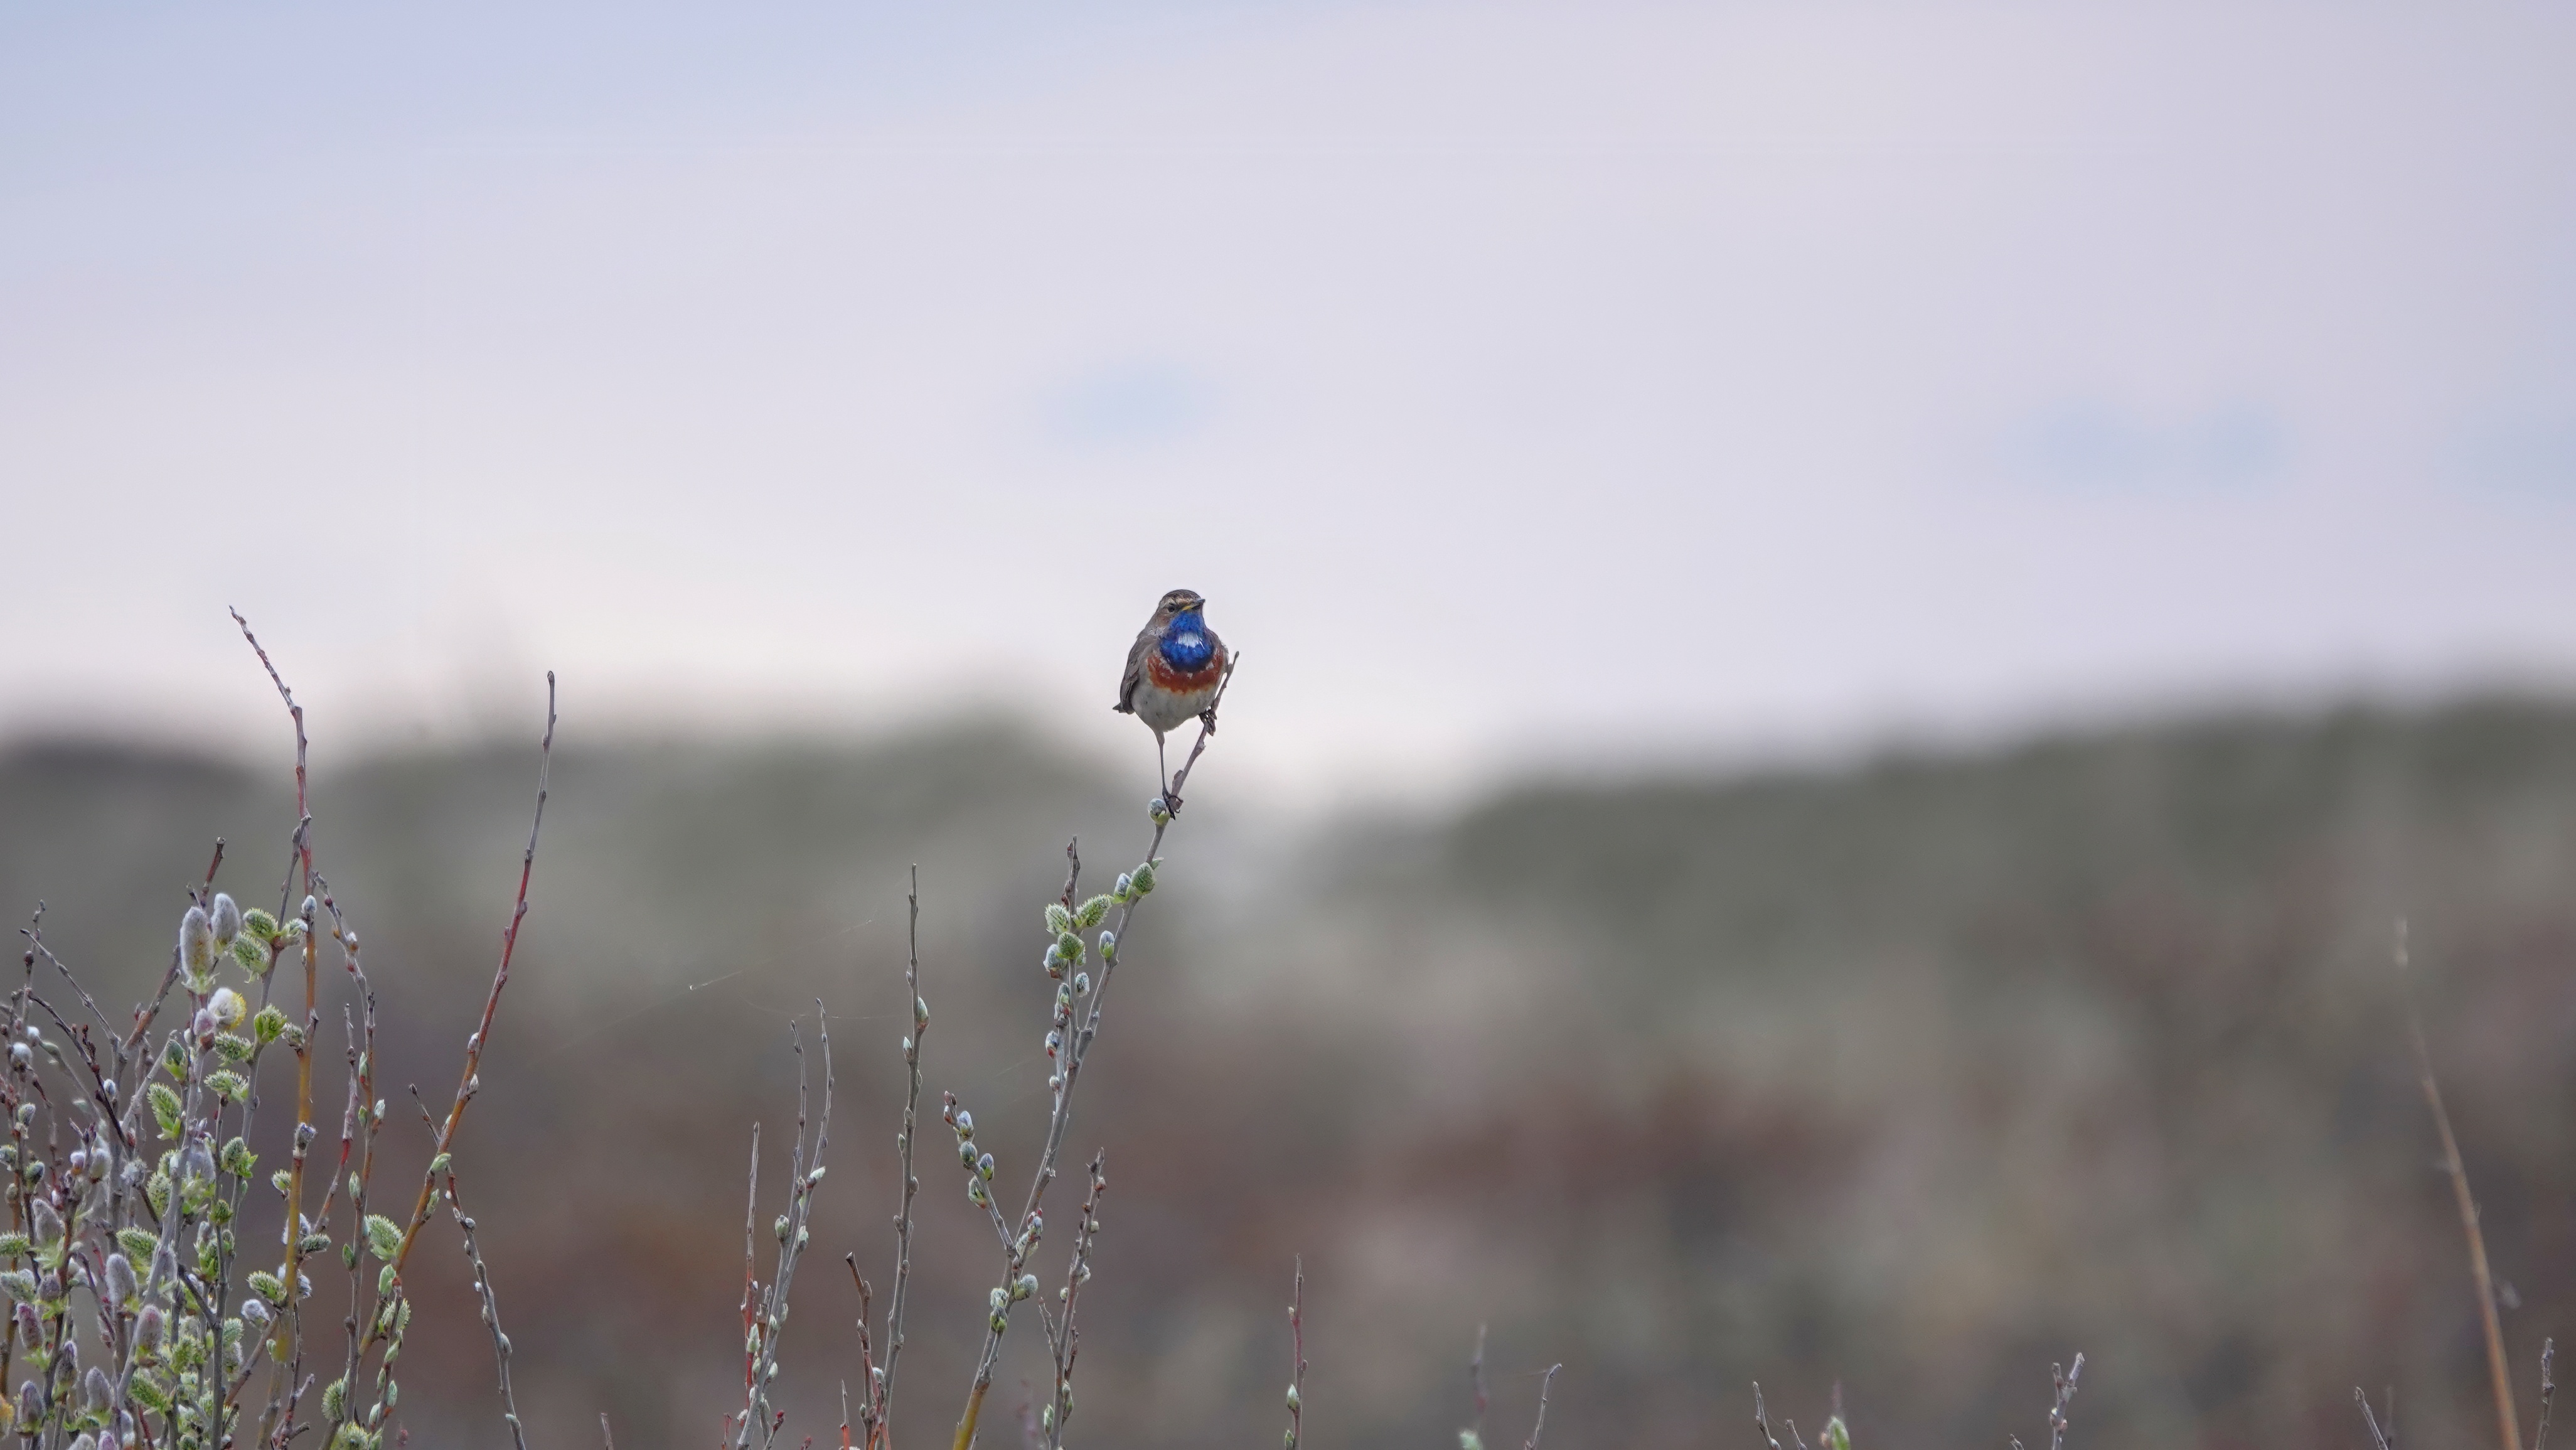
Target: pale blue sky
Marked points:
1572	383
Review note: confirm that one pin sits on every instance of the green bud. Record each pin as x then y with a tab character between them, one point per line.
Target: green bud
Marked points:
149	1392
1836	1437
384	1236
1092	912
13	1245
1058	920
1144	876
137	1242
257	922
165	1108
251	955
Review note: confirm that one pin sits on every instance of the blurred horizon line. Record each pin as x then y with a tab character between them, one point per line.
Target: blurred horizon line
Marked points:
1711	760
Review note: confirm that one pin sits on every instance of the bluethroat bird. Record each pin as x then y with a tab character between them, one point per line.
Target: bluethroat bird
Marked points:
1173	672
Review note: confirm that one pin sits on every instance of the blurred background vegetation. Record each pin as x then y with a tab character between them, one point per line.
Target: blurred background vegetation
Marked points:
1913	1075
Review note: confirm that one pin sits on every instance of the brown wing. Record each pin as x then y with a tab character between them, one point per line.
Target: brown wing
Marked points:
1145	642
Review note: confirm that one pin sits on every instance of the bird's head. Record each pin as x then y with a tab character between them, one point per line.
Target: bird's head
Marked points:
1178	603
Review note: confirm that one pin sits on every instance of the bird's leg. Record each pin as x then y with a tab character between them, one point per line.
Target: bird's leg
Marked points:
1163	765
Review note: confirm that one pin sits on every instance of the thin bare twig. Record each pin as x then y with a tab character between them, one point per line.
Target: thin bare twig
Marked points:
805	1164
750	1286
2499	1373
1071	1045
474	1045
384	1326
880	1394
868	1371
764	1313
1541	1422
2065	1383
287	1349
1763	1421
1297	1360
1064	1337
2378	1438
2548	1391
491	1312
2063	1377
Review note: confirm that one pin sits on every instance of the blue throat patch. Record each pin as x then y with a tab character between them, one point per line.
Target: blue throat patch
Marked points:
1185	645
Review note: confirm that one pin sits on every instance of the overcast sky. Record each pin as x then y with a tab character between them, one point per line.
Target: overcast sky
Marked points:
1584	383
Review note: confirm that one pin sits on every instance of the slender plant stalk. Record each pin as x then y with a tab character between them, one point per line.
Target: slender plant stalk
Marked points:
1075	1049
468	1080
1297	1359
1540	1423
882	1392
2499	1373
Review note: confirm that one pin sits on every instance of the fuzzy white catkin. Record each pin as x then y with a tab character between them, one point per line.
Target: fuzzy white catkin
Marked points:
227	920
196	942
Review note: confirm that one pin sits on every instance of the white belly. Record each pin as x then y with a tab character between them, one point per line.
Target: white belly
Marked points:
1165	710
